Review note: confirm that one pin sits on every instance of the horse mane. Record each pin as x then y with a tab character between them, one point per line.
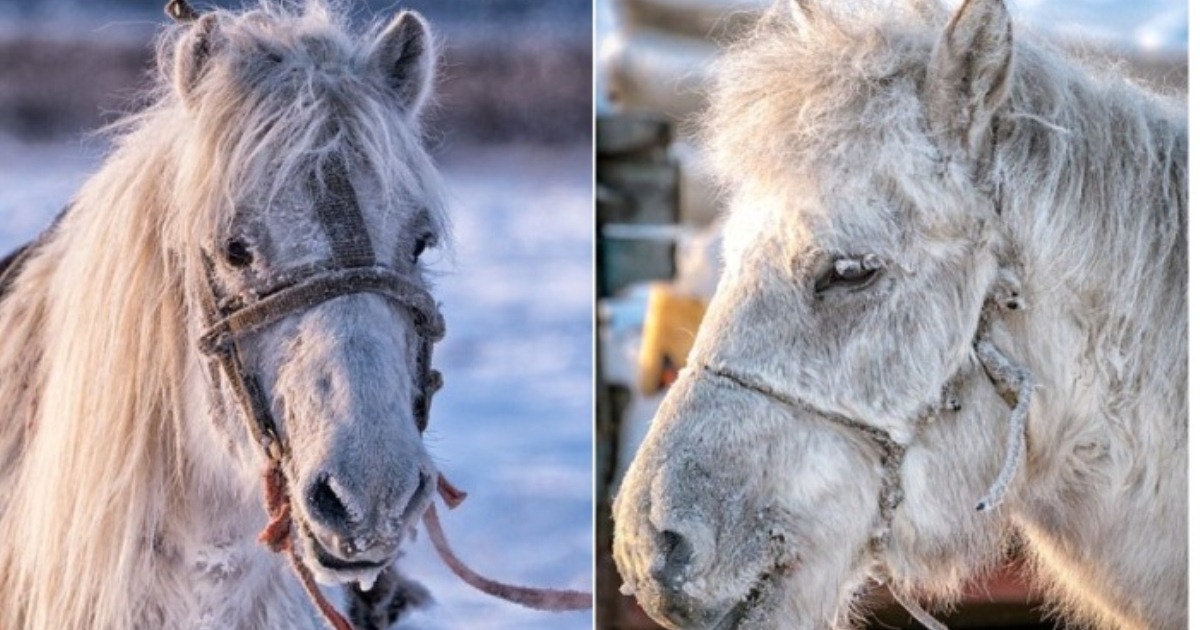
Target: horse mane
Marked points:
97	349
1091	170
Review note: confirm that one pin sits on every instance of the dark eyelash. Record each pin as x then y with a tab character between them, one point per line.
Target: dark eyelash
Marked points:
237	253
422	244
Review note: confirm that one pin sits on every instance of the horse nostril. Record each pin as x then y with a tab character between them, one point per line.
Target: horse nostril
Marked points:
424	488
326	505
676	557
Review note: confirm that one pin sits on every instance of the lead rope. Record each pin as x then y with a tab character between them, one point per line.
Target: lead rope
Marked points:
277	536
914	609
1017	380
536	598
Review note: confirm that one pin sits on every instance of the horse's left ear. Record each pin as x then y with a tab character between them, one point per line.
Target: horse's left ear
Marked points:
193	53
404	53
969	76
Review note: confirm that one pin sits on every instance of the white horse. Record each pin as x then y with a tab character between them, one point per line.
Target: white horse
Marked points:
955	267
240	284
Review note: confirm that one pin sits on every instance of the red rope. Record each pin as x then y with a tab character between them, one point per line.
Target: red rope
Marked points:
536	598
277	536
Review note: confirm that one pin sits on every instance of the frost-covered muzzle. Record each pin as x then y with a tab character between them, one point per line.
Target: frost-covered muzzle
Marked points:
745	507
713	529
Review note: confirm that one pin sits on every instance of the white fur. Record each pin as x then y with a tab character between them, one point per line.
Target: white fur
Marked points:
853	130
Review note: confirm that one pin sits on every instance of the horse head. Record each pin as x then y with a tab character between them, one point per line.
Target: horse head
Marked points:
834	424
305	201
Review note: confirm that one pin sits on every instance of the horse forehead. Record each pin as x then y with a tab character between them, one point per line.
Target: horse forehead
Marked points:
791	219
296	229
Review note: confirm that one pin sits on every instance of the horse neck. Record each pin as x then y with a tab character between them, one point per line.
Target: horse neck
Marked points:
1094	189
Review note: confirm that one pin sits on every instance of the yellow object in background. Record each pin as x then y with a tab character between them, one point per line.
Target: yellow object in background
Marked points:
667	335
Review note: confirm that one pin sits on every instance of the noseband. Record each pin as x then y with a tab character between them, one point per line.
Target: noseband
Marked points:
1012	381
891	451
351	270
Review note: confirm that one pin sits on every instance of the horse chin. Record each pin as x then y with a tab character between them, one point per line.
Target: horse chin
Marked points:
757	608
330	570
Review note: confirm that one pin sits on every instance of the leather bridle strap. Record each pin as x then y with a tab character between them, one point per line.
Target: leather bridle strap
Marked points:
351	270
231	324
300	296
341	218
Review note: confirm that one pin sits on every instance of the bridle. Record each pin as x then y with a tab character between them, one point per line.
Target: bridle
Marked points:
351	269
1013	382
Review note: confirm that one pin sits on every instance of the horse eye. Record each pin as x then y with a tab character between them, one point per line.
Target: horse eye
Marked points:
849	273
237	254
420	247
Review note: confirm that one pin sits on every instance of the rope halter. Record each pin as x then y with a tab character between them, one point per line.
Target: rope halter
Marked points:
1013	381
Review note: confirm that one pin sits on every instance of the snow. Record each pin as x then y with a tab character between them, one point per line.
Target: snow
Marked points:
513	425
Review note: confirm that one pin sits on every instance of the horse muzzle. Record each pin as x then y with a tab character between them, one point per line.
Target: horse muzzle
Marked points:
351	535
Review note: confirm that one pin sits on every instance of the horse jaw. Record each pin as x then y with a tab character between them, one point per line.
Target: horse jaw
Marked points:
736	512
939	540
357	472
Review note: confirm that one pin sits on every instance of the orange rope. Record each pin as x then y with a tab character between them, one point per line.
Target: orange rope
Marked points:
277	536
536	598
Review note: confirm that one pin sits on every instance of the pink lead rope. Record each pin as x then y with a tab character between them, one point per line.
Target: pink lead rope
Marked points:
536	598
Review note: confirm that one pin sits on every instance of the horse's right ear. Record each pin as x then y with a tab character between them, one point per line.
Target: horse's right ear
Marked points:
404	53
193	53
181	11
969	75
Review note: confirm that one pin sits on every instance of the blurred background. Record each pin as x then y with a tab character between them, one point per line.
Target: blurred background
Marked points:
658	224
512	133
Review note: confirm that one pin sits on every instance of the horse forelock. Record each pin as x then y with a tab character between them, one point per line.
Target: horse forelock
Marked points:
843	91
783	101
92	479
284	92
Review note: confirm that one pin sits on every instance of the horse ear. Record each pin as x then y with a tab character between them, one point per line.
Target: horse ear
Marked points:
193	53
969	76
181	11
404	53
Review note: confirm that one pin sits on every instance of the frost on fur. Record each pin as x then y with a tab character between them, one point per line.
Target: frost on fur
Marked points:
1027	220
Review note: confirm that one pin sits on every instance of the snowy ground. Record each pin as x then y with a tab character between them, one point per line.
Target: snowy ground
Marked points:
513	425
